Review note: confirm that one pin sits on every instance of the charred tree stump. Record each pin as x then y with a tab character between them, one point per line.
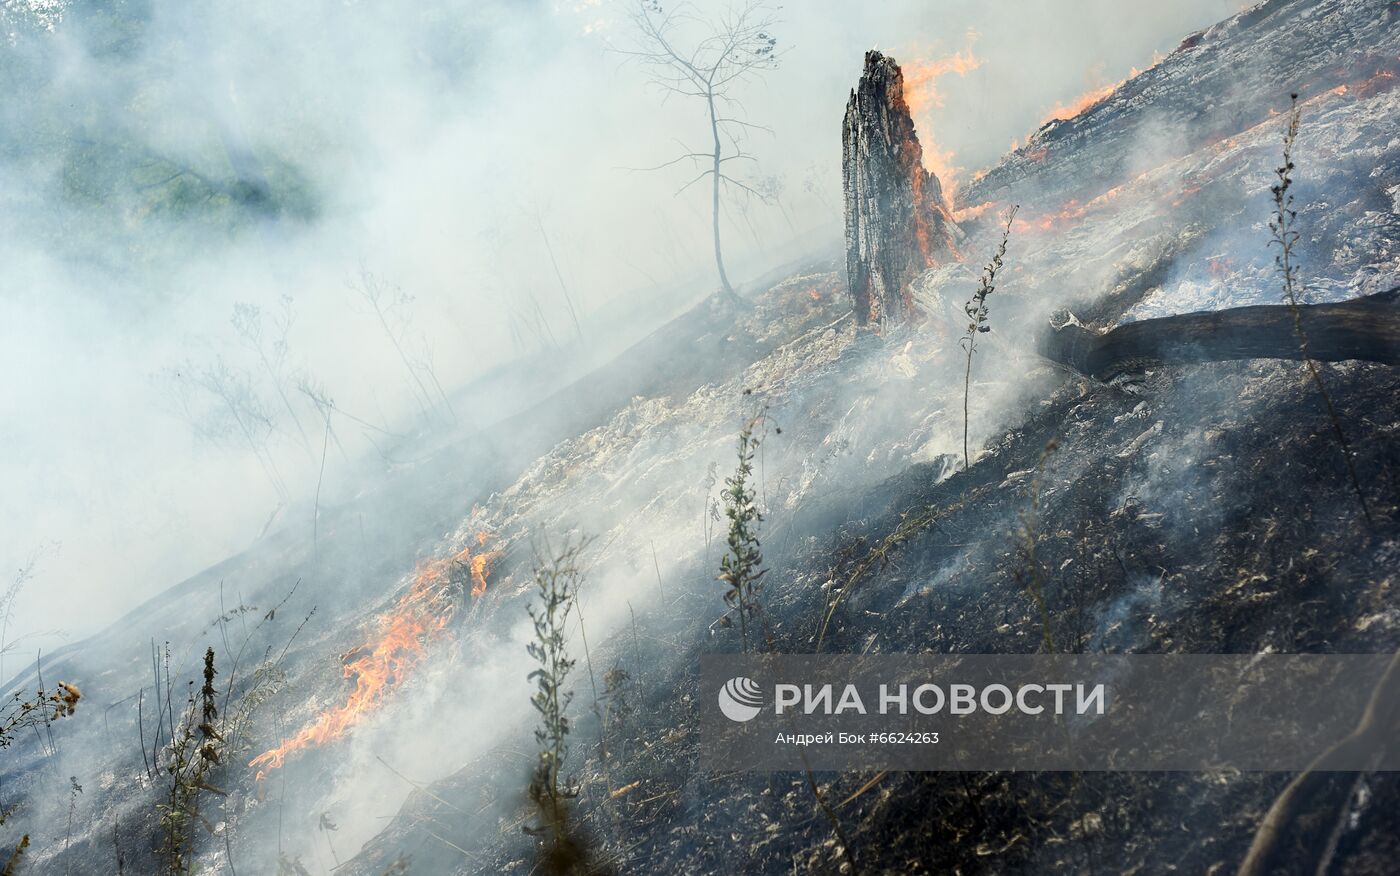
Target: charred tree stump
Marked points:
897	221
1364	328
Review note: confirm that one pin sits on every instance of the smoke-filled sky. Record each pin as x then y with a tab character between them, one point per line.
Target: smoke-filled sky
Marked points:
163	162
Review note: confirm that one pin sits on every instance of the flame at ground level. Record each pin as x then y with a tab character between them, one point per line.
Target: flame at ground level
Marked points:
401	635
1383	79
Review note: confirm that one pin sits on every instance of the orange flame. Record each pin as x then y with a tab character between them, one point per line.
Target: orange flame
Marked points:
1072	210
1081	103
973	211
921	93
1095	95
1383	79
921	78
420	617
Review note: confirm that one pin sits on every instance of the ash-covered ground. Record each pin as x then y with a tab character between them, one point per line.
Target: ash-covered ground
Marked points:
1194	509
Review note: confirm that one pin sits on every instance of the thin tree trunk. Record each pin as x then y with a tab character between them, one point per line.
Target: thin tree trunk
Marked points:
316	508
714	205
286	402
568	299
424	398
967	391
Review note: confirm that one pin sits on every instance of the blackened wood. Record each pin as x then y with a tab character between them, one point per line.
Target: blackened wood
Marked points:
1366	328
897	220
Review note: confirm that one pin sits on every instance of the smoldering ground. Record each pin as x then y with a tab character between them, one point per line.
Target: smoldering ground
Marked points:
436	159
163	164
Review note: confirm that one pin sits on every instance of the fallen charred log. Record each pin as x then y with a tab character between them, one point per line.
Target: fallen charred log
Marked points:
1364	328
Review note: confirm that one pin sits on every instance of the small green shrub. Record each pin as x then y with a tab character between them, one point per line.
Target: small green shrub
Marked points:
557	579
741	568
194	753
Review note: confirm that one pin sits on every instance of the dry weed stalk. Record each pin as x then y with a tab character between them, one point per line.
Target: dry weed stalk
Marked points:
1285	237
16	857
976	310
44	708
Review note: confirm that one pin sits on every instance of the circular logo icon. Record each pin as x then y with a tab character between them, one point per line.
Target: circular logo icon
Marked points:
740	699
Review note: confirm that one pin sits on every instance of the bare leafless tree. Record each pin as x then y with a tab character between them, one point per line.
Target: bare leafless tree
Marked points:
772	187
266	337
221	403
10	595
558	274
686	53
392	309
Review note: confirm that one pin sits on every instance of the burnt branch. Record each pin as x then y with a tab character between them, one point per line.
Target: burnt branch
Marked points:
1293	829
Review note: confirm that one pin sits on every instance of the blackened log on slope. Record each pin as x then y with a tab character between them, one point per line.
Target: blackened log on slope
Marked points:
1363	328
897	221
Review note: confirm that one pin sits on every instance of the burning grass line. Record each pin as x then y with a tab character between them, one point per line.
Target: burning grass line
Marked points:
403	634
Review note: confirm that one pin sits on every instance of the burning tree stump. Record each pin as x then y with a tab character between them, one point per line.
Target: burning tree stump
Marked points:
897	221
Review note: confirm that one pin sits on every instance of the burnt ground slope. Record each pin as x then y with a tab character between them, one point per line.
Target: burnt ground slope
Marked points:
1207	510
317	602
1191	509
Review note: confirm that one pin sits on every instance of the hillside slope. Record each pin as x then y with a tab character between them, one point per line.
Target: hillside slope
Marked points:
1194	509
